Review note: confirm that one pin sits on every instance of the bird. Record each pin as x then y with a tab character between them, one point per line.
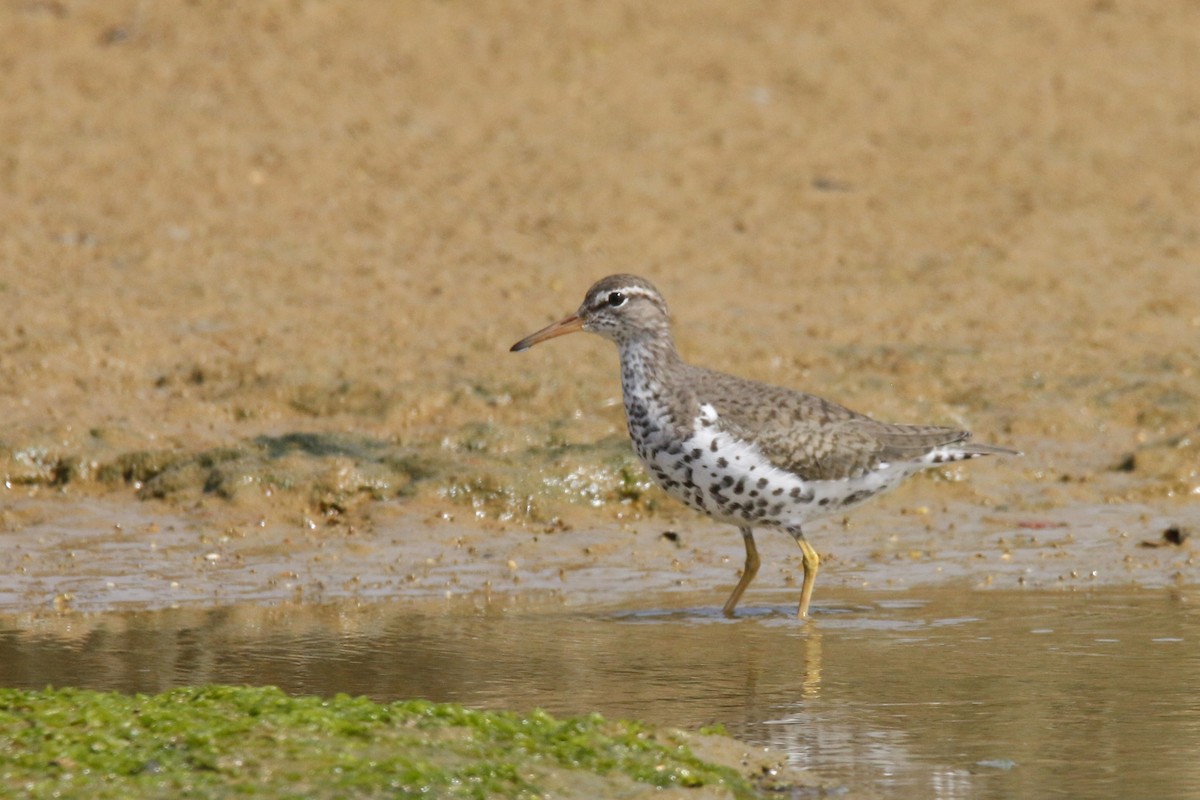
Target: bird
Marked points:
740	451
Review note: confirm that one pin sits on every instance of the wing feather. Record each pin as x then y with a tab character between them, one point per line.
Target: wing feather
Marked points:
815	438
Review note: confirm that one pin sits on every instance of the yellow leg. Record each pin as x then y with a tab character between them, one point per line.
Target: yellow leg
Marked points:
748	572
812	563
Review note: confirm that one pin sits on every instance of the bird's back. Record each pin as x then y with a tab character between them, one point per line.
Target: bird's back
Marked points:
811	437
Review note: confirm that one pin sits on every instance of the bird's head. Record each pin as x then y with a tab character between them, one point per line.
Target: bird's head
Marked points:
623	308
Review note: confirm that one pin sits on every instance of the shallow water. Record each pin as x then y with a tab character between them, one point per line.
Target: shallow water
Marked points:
937	692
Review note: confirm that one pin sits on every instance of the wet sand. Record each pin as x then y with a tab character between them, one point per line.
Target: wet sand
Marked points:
261	267
110	556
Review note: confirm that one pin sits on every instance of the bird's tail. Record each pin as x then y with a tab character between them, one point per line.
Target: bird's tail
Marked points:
973	449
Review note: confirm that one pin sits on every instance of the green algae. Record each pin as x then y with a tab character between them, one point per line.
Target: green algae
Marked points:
218	741
329	469
535	484
497	475
477	467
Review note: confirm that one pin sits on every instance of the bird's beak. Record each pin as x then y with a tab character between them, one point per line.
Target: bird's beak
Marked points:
568	324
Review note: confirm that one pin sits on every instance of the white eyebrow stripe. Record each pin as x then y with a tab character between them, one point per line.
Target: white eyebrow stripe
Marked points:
630	291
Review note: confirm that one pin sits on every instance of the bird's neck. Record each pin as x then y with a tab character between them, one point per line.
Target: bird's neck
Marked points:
647	360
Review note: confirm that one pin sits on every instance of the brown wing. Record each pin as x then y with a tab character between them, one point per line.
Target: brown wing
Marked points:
812	437
846	448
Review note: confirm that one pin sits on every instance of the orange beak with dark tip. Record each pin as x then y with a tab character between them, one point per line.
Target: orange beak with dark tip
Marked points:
568	324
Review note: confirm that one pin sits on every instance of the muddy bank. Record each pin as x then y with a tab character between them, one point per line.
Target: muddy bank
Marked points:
110	554
260	268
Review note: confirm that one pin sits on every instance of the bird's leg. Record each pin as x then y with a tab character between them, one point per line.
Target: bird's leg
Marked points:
812	563
748	572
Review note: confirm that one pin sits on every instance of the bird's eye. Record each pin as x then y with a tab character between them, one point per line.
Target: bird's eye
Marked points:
616	299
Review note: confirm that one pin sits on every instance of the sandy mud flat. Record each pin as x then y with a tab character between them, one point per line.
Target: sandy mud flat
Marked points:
260	266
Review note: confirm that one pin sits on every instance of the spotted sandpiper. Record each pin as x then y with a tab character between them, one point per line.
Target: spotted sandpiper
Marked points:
745	452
